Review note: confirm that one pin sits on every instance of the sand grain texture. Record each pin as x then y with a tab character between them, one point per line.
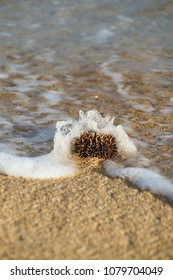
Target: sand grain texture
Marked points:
87	216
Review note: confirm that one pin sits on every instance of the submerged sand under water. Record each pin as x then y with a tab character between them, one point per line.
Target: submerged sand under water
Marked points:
91	216
52	67
87	216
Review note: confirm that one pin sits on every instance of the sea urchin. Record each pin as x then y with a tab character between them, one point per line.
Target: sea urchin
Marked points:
94	144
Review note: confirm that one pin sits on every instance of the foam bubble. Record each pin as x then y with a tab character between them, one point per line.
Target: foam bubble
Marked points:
59	162
144	178
92	121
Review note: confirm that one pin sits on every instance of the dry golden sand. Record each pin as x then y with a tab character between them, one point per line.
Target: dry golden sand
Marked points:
87	216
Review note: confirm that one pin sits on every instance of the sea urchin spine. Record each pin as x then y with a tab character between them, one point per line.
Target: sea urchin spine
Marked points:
93	144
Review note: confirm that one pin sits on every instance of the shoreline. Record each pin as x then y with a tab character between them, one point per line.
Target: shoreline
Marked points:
85	216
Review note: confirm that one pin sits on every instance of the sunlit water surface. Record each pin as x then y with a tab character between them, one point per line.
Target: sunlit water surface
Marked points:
59	57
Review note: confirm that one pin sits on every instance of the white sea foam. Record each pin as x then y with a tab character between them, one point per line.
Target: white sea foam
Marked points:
59	162
141	107
144	178
3	75
102	35
53	96
167	110
46	166
116	77
124	18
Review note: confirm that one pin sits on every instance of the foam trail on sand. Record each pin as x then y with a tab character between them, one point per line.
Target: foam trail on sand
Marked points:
59	162
116	77
46	166
144	178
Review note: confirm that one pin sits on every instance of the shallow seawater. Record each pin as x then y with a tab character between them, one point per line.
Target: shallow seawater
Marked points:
59	57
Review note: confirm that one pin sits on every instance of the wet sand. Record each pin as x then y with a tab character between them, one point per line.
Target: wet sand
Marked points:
87	216
52	67
91	216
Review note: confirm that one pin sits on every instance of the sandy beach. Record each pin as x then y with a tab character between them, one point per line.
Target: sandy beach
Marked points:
87	216
60	57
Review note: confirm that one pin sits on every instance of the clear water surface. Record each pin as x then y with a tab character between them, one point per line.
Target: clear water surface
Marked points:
59	57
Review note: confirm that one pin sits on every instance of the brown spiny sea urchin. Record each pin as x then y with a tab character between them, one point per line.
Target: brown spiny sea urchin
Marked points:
94	144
